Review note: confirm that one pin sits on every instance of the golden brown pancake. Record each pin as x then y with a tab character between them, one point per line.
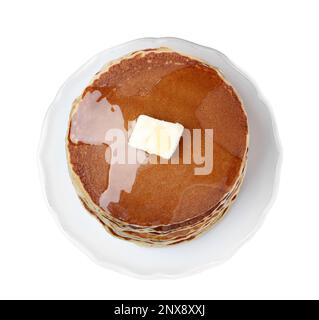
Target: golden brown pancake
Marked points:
157	204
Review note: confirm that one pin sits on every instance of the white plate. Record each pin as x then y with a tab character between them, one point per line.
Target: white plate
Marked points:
215	246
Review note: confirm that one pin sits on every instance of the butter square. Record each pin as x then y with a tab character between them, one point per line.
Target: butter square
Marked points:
156	136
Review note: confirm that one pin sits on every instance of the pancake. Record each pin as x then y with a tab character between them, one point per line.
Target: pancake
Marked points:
164	203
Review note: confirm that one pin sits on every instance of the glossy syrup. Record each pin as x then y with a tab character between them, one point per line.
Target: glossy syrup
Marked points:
168	87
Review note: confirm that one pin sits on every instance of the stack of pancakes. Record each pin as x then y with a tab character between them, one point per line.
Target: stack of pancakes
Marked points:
157	204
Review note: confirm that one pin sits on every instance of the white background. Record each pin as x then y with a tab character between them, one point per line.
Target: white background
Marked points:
275	42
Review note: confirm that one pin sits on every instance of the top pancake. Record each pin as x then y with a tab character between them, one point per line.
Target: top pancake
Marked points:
169	86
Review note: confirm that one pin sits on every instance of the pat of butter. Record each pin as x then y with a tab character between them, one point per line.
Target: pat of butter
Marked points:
156	136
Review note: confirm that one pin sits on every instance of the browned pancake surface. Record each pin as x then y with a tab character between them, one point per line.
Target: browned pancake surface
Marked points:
175	88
